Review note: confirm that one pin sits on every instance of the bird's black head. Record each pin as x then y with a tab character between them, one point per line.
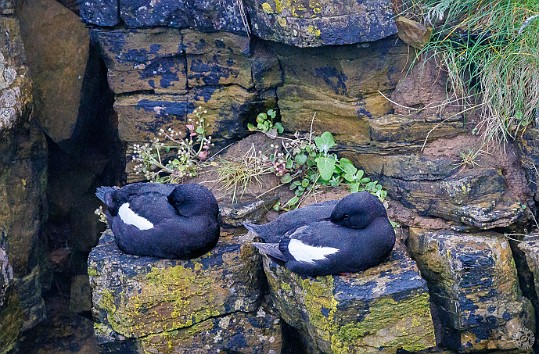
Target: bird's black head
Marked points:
358	210
193	199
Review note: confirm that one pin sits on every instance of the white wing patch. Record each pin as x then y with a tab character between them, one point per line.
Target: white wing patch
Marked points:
129	217
307	253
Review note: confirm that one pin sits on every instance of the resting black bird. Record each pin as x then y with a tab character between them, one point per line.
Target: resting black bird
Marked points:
290	221
162	220
357	236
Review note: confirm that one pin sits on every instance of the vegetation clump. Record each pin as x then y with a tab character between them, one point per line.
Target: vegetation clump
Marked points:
171	158
490	50
304	162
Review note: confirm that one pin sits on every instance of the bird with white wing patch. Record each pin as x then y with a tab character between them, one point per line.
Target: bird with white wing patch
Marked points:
357	236
162	220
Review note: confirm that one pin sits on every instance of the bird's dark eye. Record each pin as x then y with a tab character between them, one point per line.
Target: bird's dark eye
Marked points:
346	216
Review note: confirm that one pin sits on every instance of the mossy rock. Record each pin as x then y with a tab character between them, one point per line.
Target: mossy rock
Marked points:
305	23
141	296
475	290
383	308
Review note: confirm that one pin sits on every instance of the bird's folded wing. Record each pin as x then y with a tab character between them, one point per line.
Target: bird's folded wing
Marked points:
271	249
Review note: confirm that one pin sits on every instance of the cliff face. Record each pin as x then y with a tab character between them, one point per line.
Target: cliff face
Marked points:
340	62
22	190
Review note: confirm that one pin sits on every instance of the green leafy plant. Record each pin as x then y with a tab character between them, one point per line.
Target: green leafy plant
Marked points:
265	122
306	163
172	156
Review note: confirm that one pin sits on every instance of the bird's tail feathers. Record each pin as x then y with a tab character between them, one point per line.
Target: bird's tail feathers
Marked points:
271	249
252	228
103	192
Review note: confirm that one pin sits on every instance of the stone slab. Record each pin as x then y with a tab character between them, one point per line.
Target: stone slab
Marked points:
383	308
474	285
305	23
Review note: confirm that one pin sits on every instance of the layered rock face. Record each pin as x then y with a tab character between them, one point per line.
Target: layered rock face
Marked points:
212	302
22	191
336	67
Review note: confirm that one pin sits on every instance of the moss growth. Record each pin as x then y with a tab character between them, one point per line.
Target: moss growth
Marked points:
320	304
11	320
410	333
315	31
267	8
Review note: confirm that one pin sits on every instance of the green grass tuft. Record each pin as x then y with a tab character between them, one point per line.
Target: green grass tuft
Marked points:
490	50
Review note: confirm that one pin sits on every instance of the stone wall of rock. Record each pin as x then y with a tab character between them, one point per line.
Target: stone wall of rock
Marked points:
23	157
339	67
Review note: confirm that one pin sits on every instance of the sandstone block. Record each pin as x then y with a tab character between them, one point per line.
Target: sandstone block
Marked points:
202	15
143	59
474	286
217	59
353	71
407	129
306	23
383	308
412	33
173	305
58	68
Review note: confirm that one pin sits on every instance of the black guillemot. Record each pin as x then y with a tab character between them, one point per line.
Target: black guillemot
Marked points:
357	236
177	221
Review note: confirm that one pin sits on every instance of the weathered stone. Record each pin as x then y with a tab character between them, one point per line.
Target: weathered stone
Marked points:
303	106
217	59
205	16
340	86
423	92
305	23
412	167
408	129
57	47
265	67
7	7
383	308
23	157
412	33
527	144
11	320
474	286
100	12
6	275
137	297
145	59
30	298
254	332
80	295
15	86
472	197
141	116
353	71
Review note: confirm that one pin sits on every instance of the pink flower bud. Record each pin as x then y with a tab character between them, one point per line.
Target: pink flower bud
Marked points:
203	154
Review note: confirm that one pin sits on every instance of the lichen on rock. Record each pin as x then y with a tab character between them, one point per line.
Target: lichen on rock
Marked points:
144	298
383	307
474	286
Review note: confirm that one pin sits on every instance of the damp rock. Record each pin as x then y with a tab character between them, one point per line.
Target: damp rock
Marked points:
382	308
147	300
475	290
312	24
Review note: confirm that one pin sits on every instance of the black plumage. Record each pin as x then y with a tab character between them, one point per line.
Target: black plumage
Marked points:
162	220
357	236
290	221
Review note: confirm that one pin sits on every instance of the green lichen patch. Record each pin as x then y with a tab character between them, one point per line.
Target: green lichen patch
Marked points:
140	296
11	320
405	324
